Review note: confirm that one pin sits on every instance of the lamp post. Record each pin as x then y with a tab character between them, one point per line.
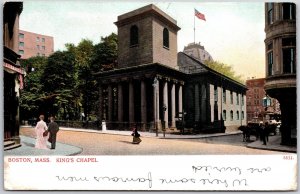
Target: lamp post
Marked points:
155	84
165	124
266	103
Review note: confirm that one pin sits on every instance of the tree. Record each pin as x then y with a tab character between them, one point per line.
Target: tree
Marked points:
104	58
85	84
105	53
58	84
224	69
32	92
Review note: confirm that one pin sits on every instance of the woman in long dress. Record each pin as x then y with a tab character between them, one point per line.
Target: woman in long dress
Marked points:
136	136
40	128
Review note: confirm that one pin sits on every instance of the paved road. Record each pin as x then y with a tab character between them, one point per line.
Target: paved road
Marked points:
108	144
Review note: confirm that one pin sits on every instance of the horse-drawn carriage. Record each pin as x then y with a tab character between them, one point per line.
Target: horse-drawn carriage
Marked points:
257	129
252	128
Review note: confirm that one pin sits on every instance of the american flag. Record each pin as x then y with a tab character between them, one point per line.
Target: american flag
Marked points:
199	15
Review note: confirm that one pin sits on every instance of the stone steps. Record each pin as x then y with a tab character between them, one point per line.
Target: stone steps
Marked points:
8	145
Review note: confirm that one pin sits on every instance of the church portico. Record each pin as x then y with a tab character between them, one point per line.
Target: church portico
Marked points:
137	99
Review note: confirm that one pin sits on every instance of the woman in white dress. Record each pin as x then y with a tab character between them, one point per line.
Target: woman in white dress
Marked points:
41	127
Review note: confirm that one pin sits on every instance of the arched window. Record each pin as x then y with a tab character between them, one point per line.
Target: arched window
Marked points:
166	38
134	35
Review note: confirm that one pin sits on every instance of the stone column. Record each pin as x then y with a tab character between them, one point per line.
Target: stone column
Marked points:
197	109
180	98
165	104
173	125
131	102
143	105
15	38
120	103
156	104
100	114
110	101
203	103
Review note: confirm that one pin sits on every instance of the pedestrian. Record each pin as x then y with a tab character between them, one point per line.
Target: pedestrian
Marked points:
53	129
136	136
267	131
263	134
42	134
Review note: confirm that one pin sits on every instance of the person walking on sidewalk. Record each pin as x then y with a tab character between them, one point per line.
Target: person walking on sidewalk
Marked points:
136	136
41	134
53	129
264	133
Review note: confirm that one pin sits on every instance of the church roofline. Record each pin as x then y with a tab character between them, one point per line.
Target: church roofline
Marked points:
144	12
149	66
213	71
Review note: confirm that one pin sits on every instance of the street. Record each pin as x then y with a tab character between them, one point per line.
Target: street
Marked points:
108	144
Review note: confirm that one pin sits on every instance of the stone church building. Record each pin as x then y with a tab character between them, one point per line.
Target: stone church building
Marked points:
153	84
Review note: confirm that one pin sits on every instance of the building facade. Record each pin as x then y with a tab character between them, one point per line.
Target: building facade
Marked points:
13	74
256	110
33	44
146	79
150	85
197	51
280	44
211	99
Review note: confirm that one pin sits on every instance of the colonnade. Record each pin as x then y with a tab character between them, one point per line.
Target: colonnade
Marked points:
134	102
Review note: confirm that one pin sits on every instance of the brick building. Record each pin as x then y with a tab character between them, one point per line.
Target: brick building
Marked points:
153	84
280	44
255	95
256	111
32	44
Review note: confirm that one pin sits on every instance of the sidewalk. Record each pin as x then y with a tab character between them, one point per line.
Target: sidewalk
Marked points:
28	149
273	144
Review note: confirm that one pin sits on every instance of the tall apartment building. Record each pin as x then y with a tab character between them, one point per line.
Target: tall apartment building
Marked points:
280	44
255	96
32	44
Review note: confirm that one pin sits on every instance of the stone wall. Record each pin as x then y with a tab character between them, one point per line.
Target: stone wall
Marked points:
139	54
165	56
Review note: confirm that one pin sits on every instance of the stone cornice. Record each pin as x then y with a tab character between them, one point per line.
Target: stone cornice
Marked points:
147	11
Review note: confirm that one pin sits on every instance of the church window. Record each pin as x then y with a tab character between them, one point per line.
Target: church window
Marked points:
166	38
134	36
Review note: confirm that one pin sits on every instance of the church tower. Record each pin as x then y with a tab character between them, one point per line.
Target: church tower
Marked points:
147	35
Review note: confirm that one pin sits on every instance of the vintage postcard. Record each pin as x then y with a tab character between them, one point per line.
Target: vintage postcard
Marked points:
149	96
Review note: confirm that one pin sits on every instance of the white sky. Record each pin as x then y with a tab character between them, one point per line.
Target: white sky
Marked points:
233	32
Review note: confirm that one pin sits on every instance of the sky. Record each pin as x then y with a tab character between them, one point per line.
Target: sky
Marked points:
233	32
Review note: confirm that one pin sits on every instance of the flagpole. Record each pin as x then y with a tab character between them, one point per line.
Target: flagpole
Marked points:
194	28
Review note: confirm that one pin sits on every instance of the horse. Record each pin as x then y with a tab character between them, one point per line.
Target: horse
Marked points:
248	131
246	134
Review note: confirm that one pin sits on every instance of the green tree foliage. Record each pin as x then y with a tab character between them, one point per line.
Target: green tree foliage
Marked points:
58	83
224	69
85	82
30	98
64	83
105	53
